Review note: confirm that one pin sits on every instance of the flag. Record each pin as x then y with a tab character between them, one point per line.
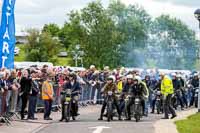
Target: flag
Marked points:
7	34
1	4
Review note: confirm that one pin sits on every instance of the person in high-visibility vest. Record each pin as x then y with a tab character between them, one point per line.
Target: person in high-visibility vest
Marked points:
167	91
47	96
120	85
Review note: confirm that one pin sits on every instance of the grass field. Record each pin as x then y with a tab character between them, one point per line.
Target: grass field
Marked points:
190	125
62	61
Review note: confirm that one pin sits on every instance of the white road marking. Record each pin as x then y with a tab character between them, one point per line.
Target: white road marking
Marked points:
99	129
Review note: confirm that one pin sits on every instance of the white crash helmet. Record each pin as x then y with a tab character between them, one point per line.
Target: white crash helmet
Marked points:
112	77
178	76
138	78
129	76
195	74
173	74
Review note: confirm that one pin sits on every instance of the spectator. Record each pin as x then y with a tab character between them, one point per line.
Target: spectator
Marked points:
47	96
25	90
33	95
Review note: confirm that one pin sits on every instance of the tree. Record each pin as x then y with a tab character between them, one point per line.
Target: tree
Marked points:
41	47
126	35
72	33
52	29
96	33
133	23
176	43
103	39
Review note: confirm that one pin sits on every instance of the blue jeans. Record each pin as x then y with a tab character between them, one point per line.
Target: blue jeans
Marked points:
32	106
48	107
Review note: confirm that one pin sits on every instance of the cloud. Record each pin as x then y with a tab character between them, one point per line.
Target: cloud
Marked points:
36	13
192	3
156	8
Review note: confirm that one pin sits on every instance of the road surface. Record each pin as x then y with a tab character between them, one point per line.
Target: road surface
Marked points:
87	123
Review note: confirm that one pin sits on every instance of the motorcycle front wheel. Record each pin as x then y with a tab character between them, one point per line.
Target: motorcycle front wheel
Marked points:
137	115
67	113
109	111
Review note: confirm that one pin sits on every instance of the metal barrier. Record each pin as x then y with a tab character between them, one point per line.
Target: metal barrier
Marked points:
10	102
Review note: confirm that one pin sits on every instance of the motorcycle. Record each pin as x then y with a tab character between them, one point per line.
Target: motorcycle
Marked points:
68	101
137	108
175	101
109	106
196	91
158	102
127	100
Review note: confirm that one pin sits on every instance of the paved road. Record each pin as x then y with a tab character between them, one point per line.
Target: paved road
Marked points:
88	120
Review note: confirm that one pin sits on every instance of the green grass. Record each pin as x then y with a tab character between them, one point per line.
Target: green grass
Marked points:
190	125
21	56
62	61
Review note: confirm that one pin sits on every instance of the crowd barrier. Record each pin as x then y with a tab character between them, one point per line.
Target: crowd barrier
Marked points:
10	101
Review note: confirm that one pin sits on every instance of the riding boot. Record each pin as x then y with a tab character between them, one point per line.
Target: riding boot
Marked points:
120	118
102	111
101	117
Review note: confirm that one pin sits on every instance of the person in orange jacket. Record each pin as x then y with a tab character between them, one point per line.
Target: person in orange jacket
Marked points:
47	96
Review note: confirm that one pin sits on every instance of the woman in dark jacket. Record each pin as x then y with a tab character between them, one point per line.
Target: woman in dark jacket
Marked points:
25	90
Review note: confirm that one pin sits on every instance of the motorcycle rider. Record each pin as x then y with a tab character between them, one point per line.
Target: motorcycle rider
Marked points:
148	101
167	91
65	86
127	87
110	86
138	88
74	85
182	83
157	88
195	84
177	84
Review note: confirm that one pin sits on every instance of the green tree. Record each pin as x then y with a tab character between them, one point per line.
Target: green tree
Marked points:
41	47
133	23
103	39
177	43
95	32
52	29
72	33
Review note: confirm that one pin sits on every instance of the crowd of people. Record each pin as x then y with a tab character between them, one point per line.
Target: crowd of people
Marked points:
22	90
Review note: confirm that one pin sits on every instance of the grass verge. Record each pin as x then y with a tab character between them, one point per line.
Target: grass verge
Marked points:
62	61
190	125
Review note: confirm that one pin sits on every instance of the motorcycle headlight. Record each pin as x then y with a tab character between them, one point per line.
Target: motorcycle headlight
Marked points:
158	92
67	99
110	93
137	100
68	91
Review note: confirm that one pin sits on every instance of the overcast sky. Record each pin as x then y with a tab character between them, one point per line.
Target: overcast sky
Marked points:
36	13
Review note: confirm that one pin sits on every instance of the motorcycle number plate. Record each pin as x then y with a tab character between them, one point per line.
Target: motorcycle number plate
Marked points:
67	99
137	100
110	93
